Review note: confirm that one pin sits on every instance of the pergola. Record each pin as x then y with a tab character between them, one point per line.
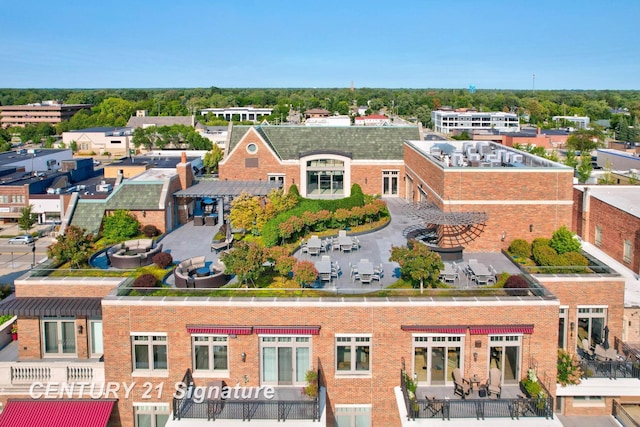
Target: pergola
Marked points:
211	188
443	229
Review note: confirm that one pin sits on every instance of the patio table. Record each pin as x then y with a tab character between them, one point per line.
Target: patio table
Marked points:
345	242
365	270
323	267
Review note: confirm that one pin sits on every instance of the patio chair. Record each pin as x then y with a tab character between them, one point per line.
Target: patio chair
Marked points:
494	383
601	354
586	349
462	386
434	408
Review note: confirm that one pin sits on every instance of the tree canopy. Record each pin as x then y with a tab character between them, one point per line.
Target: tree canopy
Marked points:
418	263
120	225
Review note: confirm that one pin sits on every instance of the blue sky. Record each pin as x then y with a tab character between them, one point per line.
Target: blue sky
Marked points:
497	44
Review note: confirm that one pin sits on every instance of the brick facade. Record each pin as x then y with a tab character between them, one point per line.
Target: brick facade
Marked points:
524	204
390	345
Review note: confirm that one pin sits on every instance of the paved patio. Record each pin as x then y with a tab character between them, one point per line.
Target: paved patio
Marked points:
188	241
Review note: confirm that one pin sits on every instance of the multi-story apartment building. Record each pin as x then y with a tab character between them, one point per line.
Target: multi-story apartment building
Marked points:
51	112
100	331
253	114
448	121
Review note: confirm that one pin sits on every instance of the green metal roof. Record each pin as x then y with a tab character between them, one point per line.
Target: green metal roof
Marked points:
88	215
363	142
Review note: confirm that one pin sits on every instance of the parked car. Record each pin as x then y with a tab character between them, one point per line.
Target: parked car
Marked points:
24	239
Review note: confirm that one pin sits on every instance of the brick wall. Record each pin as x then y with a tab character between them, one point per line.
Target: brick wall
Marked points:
580	409
66	288
389	343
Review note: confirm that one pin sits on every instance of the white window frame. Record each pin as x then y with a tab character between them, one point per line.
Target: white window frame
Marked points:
589	401
92	353
213	340
161	340
152	409
627	251
353	411
353	341
292	341
59	321
564	314
276	177
591	312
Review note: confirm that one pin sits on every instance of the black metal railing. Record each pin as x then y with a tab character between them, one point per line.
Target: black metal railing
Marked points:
612	369
623	416
190	406
480	409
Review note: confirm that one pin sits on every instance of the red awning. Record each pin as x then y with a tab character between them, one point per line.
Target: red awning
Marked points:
218	329
46	413
450	329
287	330
500	329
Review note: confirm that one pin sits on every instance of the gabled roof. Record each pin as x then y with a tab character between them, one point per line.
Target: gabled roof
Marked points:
364	143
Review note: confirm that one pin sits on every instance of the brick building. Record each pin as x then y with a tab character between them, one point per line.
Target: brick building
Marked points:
51	112
524	196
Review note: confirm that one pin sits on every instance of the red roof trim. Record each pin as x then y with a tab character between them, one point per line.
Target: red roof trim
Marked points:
287	330
45	413
500	329
450	329
219	329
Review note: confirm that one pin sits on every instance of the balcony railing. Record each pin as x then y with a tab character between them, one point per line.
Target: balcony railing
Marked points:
445	409
245	409
623	416
25	373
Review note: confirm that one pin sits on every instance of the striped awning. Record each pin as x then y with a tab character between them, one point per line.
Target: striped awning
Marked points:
219	329
436	329
40	306
287	330
48	412
500	329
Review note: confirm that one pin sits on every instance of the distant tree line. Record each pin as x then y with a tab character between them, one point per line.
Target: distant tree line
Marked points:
114	107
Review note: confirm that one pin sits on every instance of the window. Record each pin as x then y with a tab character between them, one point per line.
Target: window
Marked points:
59	336
276	178
149	352
627	251
210	354
435	357
591	321
353	355
353	416
562	328
151	415
598	239
284	360
95	338
588	401
505	354
252	148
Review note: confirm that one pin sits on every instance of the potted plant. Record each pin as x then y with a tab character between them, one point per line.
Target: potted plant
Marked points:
412	386
311	389
14	331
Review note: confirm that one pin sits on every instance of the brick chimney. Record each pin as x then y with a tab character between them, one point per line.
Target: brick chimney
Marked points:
185	173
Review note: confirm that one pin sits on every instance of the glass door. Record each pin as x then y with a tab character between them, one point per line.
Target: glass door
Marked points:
504	354
390	183
438	365
435	358
285	367
59	337
285	360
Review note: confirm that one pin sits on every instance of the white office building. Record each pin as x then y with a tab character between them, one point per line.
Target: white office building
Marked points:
240	113
447	121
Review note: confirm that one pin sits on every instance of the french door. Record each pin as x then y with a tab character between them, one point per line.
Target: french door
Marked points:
59	336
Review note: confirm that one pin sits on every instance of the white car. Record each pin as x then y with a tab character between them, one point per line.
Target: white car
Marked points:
24	239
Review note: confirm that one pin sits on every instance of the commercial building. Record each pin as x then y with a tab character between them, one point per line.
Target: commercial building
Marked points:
448	121
116	141
253	114
50	112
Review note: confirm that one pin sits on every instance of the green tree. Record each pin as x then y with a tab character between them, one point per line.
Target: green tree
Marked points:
607	177
417	263
246	212
27	218
571	160
212	158
585	140
304	273
563	241
120	225
584	169
245	261
74	247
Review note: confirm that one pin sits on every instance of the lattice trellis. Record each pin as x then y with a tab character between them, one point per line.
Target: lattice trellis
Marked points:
444	229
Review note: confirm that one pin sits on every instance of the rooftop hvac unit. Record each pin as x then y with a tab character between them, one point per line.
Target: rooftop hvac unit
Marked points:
507	157
517	158
457	160
470	150
500	154
473	157
103	188
491	157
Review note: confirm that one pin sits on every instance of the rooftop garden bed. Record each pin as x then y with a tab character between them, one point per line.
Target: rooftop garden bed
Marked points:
560	254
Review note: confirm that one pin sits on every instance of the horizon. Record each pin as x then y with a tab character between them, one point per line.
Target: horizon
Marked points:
549	45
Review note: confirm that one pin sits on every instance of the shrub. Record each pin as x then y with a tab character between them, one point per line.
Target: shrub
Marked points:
145	281
575	258
521	248
545	255
563	241
162	259
516	286
569	370
150	230
540	241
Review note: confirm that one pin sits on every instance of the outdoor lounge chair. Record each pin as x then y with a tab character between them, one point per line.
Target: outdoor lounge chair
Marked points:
586	349
462	386
494	381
